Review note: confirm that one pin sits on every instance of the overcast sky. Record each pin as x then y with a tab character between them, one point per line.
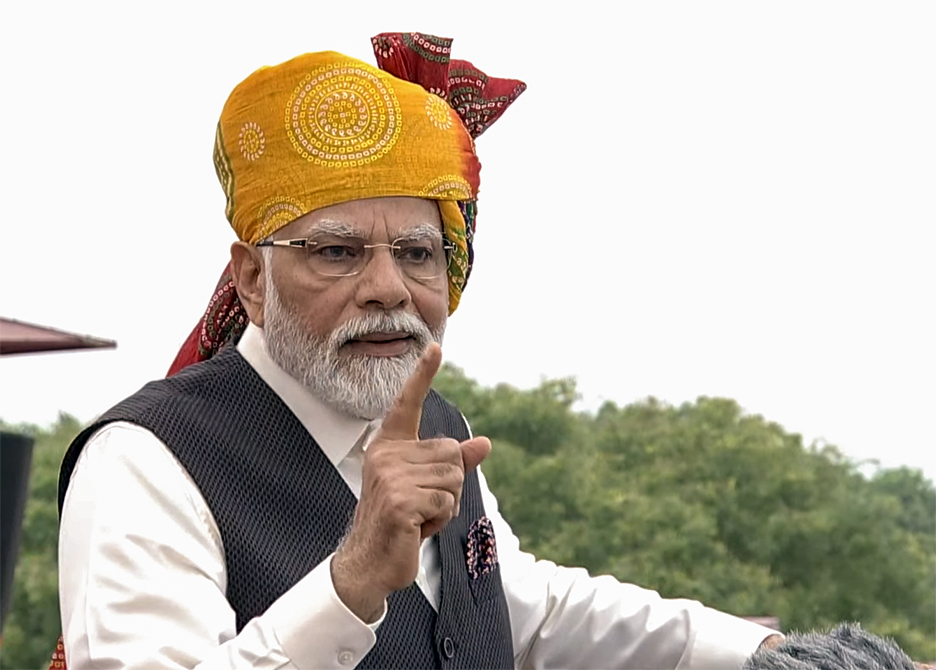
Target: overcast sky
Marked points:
693	198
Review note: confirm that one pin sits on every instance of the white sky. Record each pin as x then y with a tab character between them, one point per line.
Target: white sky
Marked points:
692	198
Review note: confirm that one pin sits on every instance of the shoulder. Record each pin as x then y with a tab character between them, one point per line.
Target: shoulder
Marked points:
179	403
205	382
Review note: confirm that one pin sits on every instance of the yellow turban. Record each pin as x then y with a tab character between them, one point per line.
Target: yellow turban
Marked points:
325	128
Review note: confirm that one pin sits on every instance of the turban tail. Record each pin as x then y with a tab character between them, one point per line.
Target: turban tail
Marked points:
325	128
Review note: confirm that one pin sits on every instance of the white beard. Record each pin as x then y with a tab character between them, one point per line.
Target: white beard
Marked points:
359	386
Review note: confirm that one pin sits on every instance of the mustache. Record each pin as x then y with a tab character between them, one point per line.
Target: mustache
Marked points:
382	322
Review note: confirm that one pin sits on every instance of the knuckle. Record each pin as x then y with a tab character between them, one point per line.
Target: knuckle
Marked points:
382	455
442	500
402	402
446	448
396	498
376	452
445	516
442	470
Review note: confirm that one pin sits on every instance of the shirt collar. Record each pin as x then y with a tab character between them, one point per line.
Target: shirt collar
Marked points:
336	433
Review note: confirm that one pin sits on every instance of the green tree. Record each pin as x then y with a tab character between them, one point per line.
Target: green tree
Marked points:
916	495
539	420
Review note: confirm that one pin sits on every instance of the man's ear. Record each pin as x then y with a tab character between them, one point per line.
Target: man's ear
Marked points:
247	272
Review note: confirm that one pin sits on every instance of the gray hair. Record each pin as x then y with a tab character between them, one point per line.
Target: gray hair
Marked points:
848	647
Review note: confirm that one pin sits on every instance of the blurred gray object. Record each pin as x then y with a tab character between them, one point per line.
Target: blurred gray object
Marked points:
847	647
20	337
15	459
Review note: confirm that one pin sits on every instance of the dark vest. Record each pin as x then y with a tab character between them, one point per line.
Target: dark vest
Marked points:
282	508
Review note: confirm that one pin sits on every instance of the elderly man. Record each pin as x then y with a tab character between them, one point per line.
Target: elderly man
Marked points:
302	498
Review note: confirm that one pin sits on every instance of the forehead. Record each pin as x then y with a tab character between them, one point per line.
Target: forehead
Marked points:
369	217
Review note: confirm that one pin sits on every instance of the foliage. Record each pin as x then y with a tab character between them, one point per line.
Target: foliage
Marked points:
699	501
705	502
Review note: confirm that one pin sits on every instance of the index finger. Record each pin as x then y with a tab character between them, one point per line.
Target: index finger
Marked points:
402	421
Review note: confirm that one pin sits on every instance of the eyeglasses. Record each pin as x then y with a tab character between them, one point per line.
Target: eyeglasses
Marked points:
338	256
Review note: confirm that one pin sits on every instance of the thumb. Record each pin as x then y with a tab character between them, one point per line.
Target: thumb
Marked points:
474	451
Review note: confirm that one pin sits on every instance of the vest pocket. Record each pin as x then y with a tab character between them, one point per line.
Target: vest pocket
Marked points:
486	586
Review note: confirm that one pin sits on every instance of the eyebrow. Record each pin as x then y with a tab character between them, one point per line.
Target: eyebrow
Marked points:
421	231
337	228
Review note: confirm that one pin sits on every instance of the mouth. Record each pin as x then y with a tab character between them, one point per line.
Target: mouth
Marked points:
380	344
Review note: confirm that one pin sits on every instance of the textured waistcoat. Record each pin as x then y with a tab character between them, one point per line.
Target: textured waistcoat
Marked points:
281	508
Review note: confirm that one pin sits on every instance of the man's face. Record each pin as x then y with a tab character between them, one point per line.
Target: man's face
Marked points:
353	341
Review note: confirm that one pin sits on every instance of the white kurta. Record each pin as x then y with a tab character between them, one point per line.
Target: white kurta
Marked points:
142	575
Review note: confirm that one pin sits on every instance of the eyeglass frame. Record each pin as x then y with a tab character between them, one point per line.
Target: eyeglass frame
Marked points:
448	247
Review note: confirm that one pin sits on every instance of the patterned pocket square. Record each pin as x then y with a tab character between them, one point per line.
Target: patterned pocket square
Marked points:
482	550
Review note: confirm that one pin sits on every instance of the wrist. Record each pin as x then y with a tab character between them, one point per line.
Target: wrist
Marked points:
365	601
771	641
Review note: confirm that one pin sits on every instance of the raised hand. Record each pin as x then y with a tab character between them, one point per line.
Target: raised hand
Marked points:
411	489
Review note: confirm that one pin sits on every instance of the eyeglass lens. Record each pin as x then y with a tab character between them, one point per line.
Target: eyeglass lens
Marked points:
335	256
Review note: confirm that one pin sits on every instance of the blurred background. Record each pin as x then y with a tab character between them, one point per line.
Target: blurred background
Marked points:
697	210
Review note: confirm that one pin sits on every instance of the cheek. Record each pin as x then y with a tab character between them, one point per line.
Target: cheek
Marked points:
318	306
432	305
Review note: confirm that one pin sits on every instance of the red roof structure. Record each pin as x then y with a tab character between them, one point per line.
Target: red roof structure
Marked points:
19	337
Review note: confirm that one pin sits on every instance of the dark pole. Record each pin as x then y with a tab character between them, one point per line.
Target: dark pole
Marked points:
15	459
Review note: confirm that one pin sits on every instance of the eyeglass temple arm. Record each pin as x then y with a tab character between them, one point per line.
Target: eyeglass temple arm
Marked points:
283	243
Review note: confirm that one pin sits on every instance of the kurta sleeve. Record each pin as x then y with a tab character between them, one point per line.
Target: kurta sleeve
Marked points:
142	576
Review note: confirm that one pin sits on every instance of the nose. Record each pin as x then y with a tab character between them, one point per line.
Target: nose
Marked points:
381	283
